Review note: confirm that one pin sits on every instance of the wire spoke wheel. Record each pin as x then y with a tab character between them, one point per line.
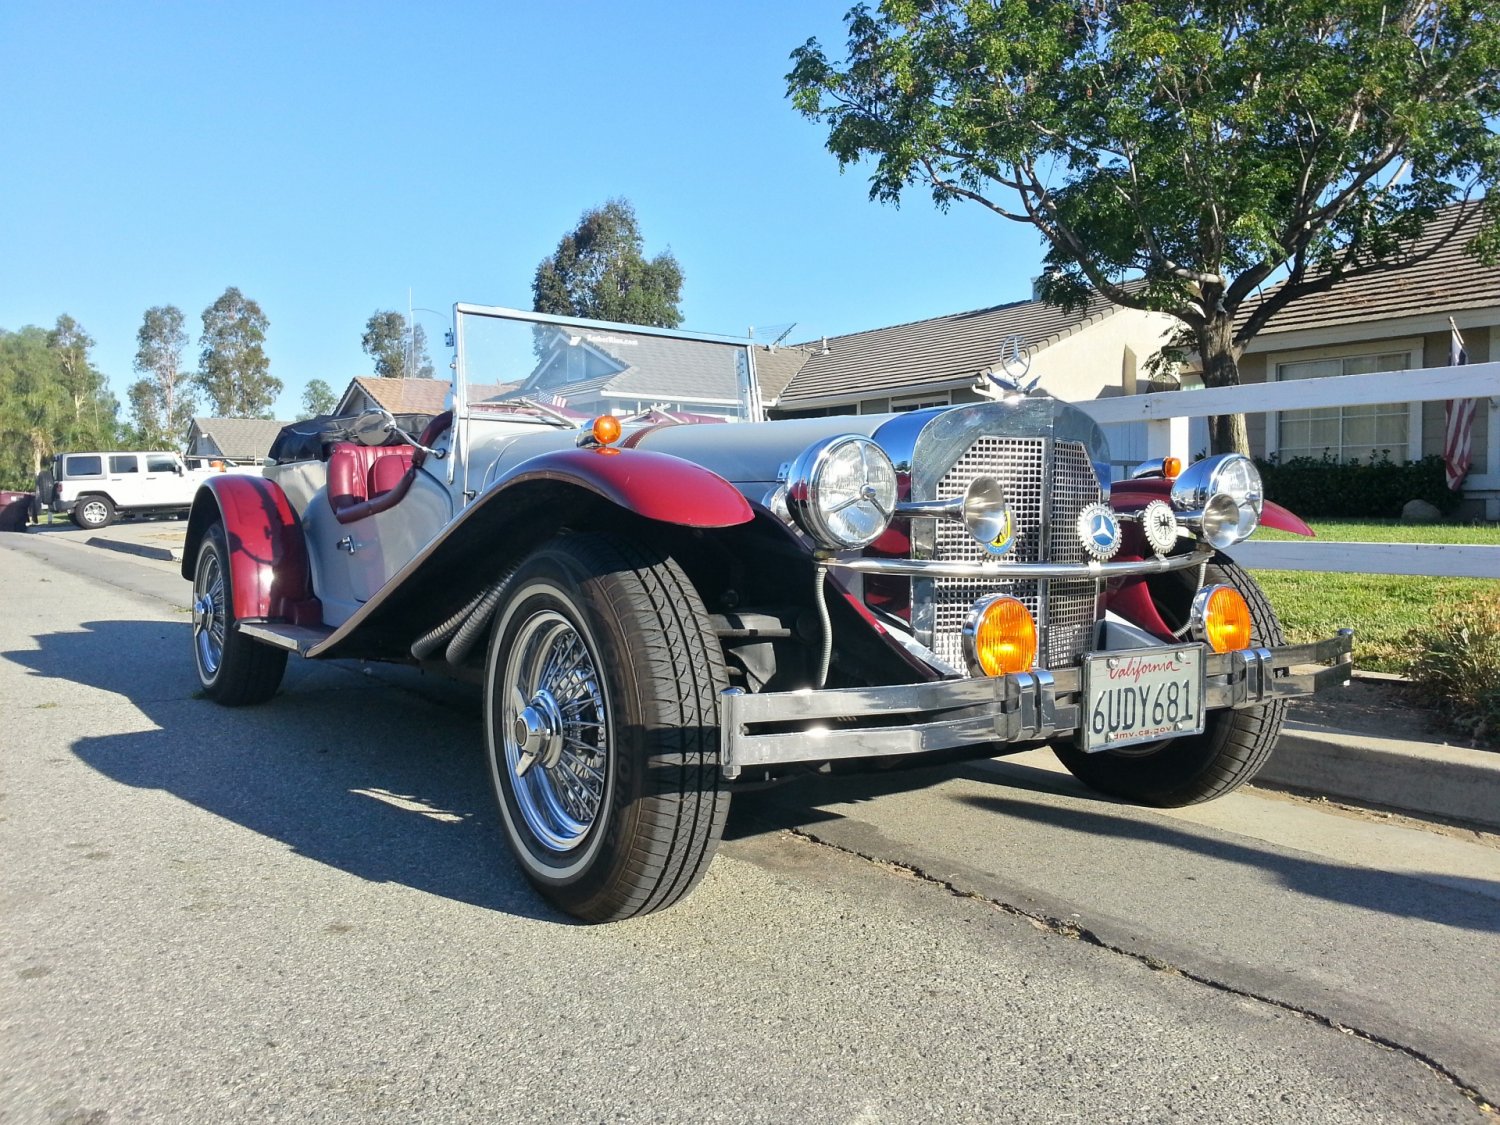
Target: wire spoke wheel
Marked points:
233	669
556	730
601	727
208	613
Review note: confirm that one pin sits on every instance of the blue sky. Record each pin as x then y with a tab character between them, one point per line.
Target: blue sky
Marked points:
327	157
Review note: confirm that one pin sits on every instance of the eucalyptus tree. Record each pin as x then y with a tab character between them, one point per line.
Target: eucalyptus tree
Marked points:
599	270
233	370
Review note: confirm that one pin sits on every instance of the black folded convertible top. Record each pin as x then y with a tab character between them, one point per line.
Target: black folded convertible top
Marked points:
310	439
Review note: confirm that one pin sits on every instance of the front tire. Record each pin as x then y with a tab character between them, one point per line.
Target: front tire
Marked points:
233	669
93	512
1234	743
601	727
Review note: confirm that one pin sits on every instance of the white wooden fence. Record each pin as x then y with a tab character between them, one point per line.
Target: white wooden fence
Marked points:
1166	415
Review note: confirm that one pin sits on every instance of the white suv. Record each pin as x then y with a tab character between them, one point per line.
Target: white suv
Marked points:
94	487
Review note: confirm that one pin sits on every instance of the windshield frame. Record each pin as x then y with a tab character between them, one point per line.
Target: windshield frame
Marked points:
754	409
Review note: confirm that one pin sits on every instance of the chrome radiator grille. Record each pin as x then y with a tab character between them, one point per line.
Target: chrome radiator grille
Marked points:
1045	500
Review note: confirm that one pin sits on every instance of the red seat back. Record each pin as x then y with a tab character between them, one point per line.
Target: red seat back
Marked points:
357	473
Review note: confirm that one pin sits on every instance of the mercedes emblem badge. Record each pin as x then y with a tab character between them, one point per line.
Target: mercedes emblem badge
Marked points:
1099	531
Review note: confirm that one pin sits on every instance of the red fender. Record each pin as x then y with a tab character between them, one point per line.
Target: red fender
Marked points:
267	552
655	485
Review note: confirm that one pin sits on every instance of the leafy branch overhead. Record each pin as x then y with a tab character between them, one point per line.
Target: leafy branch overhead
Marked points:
1181	156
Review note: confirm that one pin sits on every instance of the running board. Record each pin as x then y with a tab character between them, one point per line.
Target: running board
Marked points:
293	638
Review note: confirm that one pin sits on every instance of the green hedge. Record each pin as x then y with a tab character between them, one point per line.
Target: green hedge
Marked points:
1314	487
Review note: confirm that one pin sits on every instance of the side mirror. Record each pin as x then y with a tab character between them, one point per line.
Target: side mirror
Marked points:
373	427
179	469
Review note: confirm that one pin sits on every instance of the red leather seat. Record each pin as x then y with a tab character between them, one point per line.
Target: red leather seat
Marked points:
363	480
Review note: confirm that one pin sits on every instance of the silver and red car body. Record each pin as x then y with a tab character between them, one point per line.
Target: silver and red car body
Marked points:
332	574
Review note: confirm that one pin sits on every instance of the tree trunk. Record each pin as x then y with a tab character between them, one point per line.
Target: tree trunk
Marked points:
1227	432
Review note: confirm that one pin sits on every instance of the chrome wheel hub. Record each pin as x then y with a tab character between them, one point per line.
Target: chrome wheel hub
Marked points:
209	599
555	731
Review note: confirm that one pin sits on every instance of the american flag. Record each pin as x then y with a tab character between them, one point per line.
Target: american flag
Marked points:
1458	419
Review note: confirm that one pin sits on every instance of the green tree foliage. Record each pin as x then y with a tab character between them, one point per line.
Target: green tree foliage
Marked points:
233	370
599	271
399	352
318	398
51	398
1198	149
160	402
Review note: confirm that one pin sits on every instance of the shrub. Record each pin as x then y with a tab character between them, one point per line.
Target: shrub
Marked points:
1322	487
1457	665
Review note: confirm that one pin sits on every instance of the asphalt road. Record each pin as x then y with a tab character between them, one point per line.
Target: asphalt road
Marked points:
304	912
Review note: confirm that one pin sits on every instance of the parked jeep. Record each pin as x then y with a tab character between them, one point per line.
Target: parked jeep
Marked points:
94	488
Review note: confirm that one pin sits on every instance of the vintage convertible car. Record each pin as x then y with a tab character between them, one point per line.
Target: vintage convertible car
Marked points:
661	606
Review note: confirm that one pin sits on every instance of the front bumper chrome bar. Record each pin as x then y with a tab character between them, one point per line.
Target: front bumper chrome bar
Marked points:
1017	571
777	728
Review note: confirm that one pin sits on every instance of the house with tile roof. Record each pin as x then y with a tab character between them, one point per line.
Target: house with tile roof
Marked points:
399	396
1096	351
246	441
1391	320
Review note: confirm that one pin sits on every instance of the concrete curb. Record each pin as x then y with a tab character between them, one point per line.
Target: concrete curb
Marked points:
1428	779
165	554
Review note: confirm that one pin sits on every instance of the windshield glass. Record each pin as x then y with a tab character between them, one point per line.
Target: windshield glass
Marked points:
568	371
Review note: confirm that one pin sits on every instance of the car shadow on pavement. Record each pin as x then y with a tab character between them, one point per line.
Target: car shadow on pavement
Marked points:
344	768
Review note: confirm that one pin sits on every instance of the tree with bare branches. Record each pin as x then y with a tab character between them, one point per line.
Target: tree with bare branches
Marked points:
1182	156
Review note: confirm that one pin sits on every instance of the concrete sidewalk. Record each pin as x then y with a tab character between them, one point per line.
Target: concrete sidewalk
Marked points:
1430	779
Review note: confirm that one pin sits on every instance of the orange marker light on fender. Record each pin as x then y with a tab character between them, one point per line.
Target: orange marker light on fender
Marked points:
1171	467
1000	637
1225	619
606	429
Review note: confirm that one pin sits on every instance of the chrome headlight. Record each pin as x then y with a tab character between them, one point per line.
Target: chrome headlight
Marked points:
842	491
1220	498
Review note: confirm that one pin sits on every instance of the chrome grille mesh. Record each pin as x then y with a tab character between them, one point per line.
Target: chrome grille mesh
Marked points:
1020	465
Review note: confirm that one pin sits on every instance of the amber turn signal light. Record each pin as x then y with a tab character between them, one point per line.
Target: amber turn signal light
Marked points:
1221	616
1000	637
1171	467
606	429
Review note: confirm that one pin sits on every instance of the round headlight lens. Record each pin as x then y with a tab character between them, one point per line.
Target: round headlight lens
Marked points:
842	491
1213	486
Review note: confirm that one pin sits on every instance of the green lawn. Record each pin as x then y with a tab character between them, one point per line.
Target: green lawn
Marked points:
1379	608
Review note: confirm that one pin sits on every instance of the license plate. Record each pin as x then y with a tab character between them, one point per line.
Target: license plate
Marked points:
1141	695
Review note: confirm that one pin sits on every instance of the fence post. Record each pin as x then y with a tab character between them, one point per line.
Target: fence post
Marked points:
1167	437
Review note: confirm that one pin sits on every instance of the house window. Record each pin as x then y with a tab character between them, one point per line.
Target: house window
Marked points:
1347	433
920	402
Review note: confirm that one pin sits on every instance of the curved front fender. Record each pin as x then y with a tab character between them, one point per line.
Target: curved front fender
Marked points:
267	552
657	486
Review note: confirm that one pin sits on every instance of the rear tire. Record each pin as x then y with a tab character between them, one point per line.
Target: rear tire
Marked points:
233	669
601	727
93	512
1234	744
